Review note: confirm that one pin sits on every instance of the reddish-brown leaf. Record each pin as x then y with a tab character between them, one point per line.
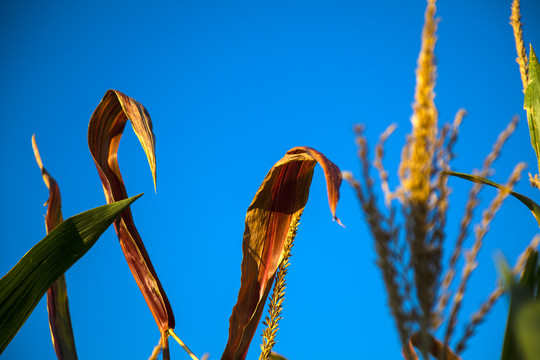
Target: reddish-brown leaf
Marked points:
104	132
57	300
282	194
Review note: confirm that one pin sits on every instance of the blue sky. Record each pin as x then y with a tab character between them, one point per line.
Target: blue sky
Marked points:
231	86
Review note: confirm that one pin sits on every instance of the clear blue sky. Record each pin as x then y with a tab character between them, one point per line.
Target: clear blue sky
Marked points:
231	86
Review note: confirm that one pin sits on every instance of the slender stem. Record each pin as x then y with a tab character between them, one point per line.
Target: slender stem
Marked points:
184	346
165	345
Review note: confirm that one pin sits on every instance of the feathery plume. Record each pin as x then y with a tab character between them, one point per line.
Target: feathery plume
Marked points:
276	301
517	26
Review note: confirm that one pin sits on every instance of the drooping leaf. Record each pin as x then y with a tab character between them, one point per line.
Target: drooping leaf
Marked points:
532	103
104	132
535	209
282	194
24	285
57	300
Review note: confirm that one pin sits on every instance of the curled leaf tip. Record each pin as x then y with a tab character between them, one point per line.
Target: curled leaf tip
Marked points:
281	198
332	174
36	152
104	133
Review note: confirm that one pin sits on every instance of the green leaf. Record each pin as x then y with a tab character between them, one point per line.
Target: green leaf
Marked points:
24	285
521	294
534	207
528	330
532	103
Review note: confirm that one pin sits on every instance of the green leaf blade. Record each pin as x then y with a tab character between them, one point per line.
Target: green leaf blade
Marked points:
24	285
528	330
532	103
521	294
534	207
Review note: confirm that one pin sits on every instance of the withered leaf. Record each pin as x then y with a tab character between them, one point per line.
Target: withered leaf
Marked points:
282	194
57	300
104	132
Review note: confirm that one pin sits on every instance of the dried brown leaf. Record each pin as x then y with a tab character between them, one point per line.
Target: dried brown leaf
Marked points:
282	194
104	132
57	300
